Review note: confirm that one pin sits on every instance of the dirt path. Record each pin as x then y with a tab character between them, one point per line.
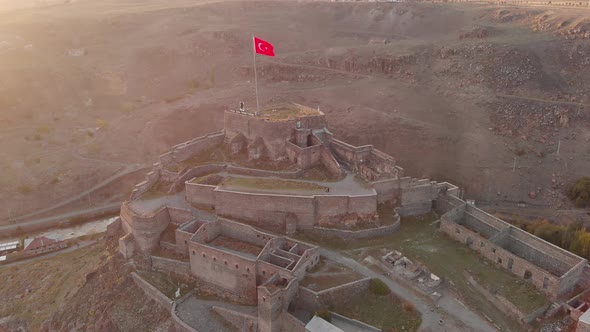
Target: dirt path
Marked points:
126	170
456	316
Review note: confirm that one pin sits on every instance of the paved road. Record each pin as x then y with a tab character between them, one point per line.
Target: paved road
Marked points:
455	315
81	245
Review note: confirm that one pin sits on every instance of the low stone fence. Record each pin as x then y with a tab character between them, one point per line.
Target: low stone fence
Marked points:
362	326
241	321
152	292
312	301
360	234
162	264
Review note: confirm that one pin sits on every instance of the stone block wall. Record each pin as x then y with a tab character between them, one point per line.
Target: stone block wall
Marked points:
264	173
304	157
162	264
146	229
272	210
179	216
477	225
196	172
329	162
239	320
275	134
350	154
244	232
572	278
543	280
312	301
151	178
549	249
152	292
189	149
200	193
388	190
231	272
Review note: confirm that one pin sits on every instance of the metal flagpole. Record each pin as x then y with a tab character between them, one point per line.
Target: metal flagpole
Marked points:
255	75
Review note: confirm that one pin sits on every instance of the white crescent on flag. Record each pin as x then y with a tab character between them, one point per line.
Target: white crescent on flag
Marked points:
263	47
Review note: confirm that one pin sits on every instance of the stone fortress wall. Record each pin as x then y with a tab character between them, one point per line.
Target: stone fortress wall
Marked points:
269	277
552	270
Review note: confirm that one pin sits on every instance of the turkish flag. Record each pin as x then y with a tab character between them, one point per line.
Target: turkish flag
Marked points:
263	47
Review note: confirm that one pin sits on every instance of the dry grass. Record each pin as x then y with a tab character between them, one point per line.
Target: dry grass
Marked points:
271	184
287	112
32	292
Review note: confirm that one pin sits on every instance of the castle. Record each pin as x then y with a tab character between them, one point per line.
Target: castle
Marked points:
220	199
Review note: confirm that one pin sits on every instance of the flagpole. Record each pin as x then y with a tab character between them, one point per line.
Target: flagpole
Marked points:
255	75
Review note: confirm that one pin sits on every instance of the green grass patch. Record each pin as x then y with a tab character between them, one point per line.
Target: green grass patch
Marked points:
271	184
385	312
419	240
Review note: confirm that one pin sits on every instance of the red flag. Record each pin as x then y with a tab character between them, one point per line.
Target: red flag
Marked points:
263	47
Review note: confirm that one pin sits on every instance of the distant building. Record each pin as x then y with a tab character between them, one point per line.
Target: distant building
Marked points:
584	322
42	244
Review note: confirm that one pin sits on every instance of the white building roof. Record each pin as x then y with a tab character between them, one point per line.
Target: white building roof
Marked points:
585	318
317	324
9	245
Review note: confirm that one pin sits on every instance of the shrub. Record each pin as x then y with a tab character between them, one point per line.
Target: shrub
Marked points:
24	189
324	314
408	307
195	84
579	192
100	123
379	288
